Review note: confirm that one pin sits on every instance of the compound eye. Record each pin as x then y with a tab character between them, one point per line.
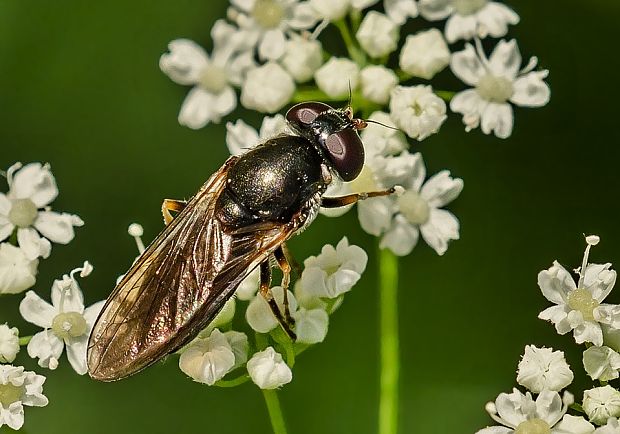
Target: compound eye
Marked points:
346	153
305	113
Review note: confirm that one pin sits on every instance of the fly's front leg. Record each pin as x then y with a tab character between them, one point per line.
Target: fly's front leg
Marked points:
337	202
265	292
171	205
285	266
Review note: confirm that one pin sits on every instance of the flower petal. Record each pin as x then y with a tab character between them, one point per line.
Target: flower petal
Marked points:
37	311
185	62
400	10
530	90
273	45
5	205
67	293
76	353
197	111
57	227
32	244
466	65
505	61
493	19
34	181
498	118
461	27
401	238
573	425
303	17
240	137
555	283
442	226
441	189
375	214
46	347
435	10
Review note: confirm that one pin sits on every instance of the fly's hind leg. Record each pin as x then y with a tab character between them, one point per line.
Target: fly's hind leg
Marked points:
285	266
337	202
265	291
171	205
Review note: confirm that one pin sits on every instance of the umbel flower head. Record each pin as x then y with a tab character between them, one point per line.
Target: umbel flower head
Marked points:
66	322
25	208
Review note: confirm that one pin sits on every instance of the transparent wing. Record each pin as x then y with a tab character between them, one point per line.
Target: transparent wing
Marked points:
177	286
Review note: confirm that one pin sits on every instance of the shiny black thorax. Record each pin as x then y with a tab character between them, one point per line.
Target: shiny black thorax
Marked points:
272	182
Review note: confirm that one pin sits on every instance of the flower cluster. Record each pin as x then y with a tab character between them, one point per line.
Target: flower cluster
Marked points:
267	359
543	371
268	53
27	225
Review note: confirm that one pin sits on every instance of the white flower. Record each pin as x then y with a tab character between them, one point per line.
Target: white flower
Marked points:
497	81
259	315
26	207
17	272
520	414
469	18
17	389
601	403
268	370
336	75
578	306
267	88
397	10
240	137
269	21
225	315
543	369
381	141
302	58
66	322
248	287
378	35
417	110
612	427
331	10
208	360
424	54
601	363
400	219
9	343
334	271
377	83
212	76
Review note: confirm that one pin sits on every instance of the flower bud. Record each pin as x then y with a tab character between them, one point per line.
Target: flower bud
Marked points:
267	88
424	54
601	403
377	35
268	370
9	343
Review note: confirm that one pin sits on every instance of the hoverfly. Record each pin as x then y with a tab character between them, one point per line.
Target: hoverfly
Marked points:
240	219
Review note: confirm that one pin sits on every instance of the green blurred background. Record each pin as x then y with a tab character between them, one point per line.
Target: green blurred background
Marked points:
80	88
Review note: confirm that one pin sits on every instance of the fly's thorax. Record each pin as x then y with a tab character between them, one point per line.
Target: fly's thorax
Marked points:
273	182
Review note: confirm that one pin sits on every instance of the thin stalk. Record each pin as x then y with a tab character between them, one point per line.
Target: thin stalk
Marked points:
446	95
354	51
388	400
24	340
275	411
234	382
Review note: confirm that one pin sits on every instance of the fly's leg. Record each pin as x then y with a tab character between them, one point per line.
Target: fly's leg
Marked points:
337	202
171	205
285	266
291	259
265	291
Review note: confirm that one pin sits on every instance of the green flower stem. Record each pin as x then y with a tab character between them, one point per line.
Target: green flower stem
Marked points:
388	400
25	340
356	54
234	382
275	411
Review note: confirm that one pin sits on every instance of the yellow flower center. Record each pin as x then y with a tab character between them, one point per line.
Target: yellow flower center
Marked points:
365	181
10	394
268	13
414	208
69	324
213	79
495	89
468	7
581	300
23	213
533	426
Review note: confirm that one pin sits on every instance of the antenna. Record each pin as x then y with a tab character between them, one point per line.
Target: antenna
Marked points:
383	125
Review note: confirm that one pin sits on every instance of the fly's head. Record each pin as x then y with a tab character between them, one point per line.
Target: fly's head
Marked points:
334	132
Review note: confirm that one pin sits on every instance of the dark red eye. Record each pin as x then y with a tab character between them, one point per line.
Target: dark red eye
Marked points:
305	113
346	153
